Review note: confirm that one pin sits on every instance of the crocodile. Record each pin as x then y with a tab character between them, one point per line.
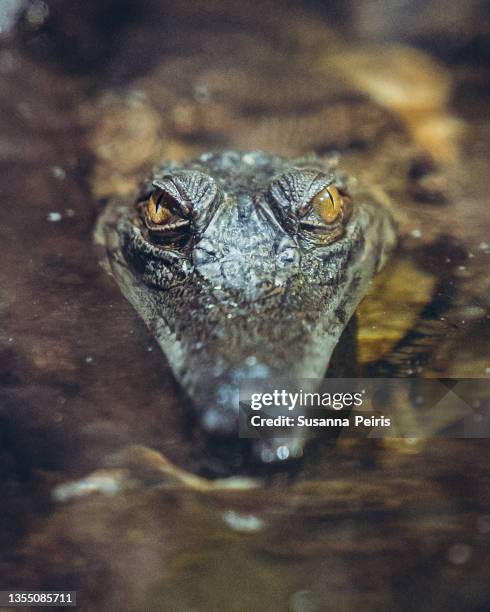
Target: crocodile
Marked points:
245	265
248	254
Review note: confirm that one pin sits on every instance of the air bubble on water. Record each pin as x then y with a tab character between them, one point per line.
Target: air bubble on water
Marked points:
297	452
242	522
89	359
416	233
37	13
282	453
266	455
459	553
53	217
58	172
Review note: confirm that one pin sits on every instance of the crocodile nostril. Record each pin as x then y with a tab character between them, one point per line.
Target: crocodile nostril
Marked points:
288	257
287	254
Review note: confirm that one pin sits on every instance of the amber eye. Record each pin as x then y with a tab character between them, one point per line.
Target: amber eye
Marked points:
162	217
156	210
328	204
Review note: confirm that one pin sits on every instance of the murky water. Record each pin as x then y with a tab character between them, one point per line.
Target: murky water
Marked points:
398	526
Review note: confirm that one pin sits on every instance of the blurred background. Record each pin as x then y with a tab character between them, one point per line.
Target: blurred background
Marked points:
404	527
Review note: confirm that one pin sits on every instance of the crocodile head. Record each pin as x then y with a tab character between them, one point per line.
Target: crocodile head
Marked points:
245	265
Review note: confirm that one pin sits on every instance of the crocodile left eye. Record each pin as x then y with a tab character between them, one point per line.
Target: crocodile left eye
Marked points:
328	204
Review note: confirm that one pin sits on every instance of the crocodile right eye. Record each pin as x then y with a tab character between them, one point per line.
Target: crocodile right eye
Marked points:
182	199
156	210
162	215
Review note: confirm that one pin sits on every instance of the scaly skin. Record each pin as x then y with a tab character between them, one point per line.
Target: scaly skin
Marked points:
250	291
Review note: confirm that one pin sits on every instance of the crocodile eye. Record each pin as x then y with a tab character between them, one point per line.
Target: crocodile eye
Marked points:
163	217
308	201
328	204
156	210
